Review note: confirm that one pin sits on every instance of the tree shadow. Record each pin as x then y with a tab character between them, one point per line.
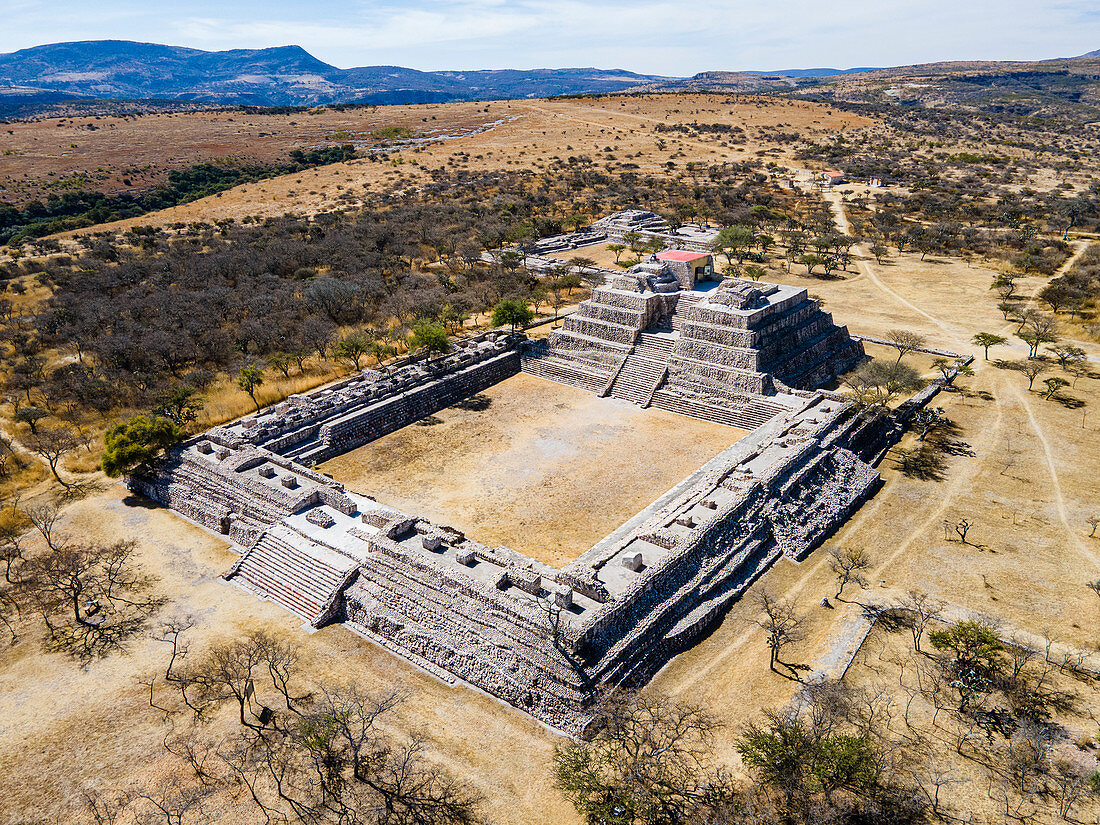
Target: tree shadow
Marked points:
475	403
142	502
1069	402
924	463
428	421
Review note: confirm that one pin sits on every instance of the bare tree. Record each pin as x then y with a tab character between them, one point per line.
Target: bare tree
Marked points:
904	341
923	610
53	443
781	624
91	597
848	565
962	527
1032	369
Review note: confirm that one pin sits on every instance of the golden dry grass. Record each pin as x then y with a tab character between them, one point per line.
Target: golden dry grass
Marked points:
544	469
1023	470
532	134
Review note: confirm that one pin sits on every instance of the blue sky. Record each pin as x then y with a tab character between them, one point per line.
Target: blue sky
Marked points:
674	37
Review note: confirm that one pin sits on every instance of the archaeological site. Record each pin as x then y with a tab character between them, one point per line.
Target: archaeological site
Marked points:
665	334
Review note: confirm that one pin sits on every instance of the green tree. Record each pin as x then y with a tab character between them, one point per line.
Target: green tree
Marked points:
136	443
250	380
876	383
181	405
974	657
646	763
513	312
755	272
810	261
352	348
985	340
430	338
281	361
801	759
1054	385
733	241
616	249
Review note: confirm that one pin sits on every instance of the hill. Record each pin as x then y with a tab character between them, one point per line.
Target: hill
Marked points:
281	76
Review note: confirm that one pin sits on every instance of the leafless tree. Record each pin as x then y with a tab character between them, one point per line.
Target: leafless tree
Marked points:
91	597
53	443
932	779
782	626
962	527
922	610
848	565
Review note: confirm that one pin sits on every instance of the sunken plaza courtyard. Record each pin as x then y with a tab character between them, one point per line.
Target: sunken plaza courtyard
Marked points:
619	484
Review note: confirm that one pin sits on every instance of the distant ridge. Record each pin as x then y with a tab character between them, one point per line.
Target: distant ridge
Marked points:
279	76
44	78
814	72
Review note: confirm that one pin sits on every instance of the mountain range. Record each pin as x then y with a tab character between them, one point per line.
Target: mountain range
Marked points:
283	76
32	80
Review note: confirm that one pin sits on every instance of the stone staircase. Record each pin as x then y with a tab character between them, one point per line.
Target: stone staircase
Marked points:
684	305
555	368
643	370
293	572
746	416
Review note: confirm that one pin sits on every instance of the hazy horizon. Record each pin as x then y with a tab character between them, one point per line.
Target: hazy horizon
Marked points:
651	37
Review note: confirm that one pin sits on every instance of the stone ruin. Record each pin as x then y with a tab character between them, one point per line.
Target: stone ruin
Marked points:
739	353
548	640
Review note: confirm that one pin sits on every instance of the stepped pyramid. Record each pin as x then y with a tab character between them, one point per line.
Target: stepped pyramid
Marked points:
737	354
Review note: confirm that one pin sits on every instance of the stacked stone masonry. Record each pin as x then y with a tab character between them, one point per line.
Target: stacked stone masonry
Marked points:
542	639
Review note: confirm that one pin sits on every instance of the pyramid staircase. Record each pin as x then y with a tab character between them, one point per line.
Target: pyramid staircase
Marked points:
643	370
747	416
300	575
684	305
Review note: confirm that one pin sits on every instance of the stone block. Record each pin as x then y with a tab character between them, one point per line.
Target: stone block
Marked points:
632	561
526	580
267	471
563	596
320	518
289	481
205	447
710	504
466	557
430	542
685	521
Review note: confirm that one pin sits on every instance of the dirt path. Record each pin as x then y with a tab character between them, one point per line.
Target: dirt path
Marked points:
834	198
852	632
1055	483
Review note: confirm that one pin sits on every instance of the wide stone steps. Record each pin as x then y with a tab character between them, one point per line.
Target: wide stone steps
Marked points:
658	347
562	371
684	305
637	379
746	417
291	577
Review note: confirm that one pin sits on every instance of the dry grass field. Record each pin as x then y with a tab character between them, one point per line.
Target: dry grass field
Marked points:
539	467
529	135
101	154
1020	467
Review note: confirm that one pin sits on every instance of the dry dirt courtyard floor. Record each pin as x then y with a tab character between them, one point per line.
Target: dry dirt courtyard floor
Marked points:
540	467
